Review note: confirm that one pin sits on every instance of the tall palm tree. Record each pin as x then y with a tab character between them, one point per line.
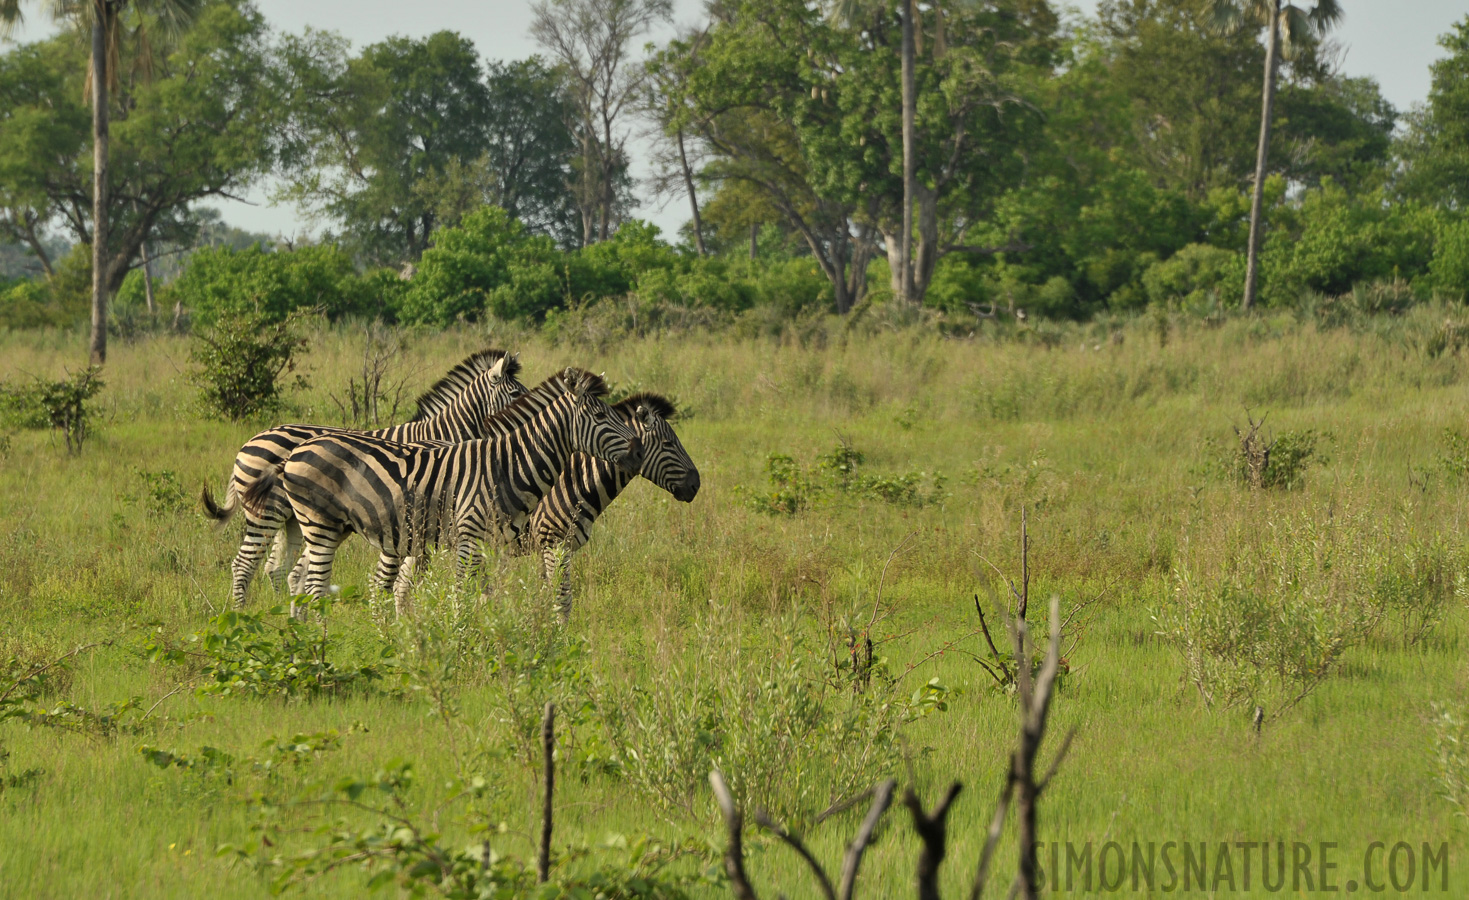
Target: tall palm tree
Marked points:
101	20
1290	28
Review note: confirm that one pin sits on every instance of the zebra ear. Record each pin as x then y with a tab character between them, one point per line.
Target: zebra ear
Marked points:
579	384
647	416
497	371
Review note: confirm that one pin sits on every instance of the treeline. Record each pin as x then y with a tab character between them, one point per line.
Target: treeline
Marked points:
1064	167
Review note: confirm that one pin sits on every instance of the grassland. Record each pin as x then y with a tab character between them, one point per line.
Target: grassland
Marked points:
1102	432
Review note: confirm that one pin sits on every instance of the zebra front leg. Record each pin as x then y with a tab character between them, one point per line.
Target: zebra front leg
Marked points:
556	572
402	584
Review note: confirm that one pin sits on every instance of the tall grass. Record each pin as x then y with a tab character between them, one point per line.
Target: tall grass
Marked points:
1103	431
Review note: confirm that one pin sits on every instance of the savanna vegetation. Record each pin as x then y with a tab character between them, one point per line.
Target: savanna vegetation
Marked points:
958	280
861	482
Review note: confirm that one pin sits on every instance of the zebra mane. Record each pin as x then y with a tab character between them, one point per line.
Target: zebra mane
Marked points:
596	385
447	389
656	402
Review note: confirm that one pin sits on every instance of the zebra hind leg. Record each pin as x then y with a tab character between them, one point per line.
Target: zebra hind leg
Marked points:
258	534
286	565
321	551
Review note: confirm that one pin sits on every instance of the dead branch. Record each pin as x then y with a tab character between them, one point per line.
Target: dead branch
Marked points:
734	854
548	744
933	830
882	797
764	820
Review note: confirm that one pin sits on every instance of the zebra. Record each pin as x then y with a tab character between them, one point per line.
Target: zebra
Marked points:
464	418
404	498
562	523
456	381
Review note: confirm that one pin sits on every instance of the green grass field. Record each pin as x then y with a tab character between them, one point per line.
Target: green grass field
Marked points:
1099	431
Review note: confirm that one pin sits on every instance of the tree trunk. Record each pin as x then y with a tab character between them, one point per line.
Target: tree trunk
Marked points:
1257	200
148	282
101	14
909	102
688	181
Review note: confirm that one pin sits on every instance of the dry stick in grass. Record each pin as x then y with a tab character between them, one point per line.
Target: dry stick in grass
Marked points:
934	831
734	854
880	801
1020	781
548	744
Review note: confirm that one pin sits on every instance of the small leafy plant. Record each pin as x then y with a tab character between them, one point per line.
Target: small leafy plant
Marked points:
267	654
62	405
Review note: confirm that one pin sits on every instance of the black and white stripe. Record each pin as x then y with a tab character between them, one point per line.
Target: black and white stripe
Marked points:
259	461
404	498
563	521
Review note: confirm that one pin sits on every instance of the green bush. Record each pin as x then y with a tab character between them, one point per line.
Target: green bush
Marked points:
1267	624
241	361
1335	240
1197	279
1450	266
62	405
219	282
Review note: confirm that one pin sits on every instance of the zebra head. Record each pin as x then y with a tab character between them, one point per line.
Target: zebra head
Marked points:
665	462
596	429
501	384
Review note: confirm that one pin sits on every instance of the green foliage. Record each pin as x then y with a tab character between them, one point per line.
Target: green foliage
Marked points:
1450	266
1335	240
792	734
1451	747
208	763
62	405
221	283
1269	626
163	494
1435	149
835	474
266	654
241	360
1198	279
393	848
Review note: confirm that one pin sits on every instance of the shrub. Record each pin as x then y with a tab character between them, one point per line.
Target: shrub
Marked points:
62	405
792	734
1451	747
1450	266
1340	239
1269	625
835	474
1197	279
241	360
265	654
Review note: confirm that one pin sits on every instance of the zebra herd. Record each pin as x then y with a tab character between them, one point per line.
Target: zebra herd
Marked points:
485	460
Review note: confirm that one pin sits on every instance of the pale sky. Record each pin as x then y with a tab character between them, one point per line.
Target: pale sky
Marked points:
1390	40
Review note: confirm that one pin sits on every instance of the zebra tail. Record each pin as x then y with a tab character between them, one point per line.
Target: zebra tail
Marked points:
220	514
256	494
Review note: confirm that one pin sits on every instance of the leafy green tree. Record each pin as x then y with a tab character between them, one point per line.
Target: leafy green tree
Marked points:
383	141
1435	150
199	126
105	22
531	147
811	114
220	282
1288	26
